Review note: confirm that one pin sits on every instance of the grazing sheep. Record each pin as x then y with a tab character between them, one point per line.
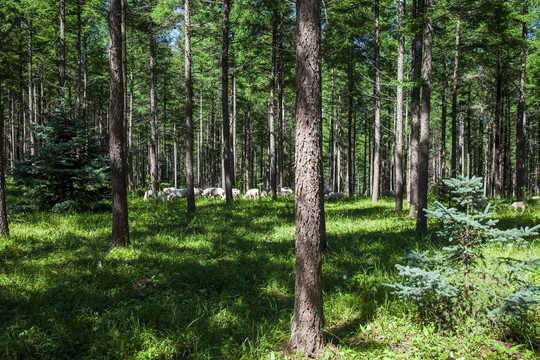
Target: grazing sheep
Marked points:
148	195
536	197
252	193
285	191
177	193
519	205
236	193
198	191
168	191
335	195
213	192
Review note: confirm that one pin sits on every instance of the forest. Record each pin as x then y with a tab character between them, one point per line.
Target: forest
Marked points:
397	139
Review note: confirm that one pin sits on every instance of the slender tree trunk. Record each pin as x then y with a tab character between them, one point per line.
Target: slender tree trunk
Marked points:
153	116
31	108
415	109
350	188
377	113
399	111
120	226
131	184
423	153
281	110
497	131
331	142
233	130
453	150
4	225
79	62
521	141
225	101
62	51
200	141
444	112
308	321
189	109
271	107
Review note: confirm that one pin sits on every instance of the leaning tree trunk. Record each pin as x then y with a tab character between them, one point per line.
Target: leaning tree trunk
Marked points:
399	112
153	116
306	331
189	109
120	226
225	102
423	153
377	114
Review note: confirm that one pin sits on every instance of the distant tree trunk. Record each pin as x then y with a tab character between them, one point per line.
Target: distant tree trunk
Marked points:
453	150
480	148
62	50
189	109
200	141
423	153
444	111
416	74
377	113
497	133
281	110
233	130
131	185
350	176
337	181
331	142
127	143
225	101
399	111
520	128
271	107
120	226
4	225
79	63
31	109
153	116
308	321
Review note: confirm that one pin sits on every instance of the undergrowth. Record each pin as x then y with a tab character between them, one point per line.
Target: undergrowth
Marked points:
220	285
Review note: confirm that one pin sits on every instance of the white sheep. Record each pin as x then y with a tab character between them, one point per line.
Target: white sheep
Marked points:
177	193
213	192
285	191
198	191
148	195
252	193
335	196
519	205
236	193
168	191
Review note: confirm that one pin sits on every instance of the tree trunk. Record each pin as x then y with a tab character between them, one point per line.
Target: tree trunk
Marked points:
31	108
281	109
497	133
120	227
4	225
153	116
377	113
129	147
423	154
416	74
444	111
225	102
331	141
189	109
399	111
200	141
62	50
306	331
453	150
79	63
271	107
521	142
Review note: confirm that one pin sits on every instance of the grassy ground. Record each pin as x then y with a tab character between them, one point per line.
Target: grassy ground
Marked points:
220	285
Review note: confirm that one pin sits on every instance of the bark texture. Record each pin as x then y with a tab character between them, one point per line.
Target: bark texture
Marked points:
306	331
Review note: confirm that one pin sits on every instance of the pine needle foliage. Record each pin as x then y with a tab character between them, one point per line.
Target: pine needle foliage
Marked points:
459	280
70	170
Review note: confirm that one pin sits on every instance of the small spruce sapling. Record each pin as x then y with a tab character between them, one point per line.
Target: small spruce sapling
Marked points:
459	279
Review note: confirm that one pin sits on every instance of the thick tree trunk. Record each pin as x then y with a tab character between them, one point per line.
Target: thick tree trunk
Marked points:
423	153
521	141
453	150
189	109
377	113
416	74
308	321
120	226
399	111
225	102
153	156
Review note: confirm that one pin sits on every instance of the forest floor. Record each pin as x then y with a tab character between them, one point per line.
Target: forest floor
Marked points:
220	285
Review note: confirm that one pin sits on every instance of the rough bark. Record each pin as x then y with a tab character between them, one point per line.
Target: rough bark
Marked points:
306	331
120	226
189	108
225	102
153	156
399	111
520	128
377	113
416	74
423	151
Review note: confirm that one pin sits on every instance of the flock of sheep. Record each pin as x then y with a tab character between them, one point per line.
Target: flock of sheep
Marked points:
171	193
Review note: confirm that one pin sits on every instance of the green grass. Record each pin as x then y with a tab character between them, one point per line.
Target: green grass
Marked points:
220	285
